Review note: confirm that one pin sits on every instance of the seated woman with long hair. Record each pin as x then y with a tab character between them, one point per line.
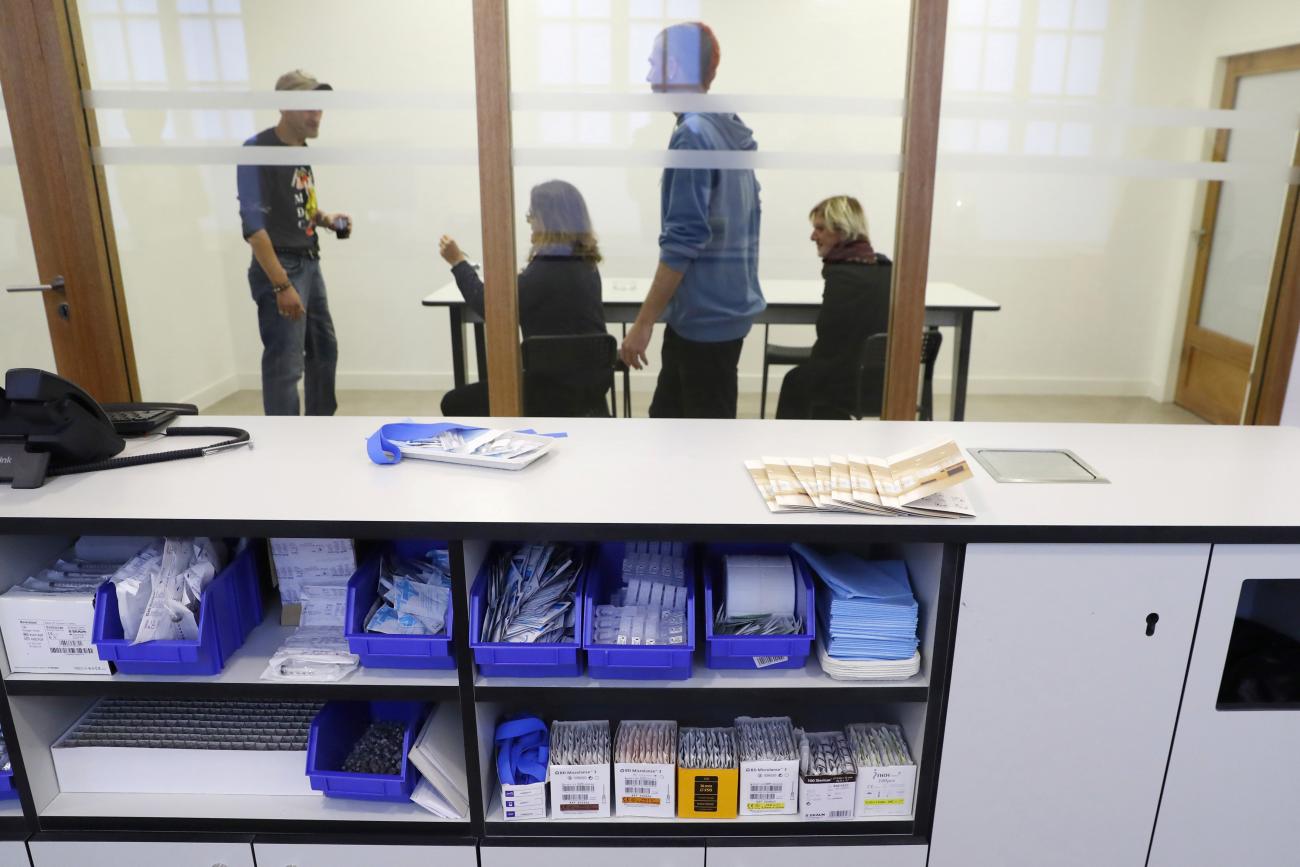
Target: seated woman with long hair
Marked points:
855	305
559	294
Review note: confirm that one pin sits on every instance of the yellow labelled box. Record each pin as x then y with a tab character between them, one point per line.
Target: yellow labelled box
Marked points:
707	793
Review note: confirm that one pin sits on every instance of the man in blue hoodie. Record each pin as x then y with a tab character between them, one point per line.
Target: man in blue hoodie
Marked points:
706	286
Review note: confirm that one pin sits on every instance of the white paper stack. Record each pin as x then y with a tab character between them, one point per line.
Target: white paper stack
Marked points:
758	585
439	755
867	616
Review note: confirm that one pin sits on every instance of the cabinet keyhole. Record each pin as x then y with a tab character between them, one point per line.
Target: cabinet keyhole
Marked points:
1152	619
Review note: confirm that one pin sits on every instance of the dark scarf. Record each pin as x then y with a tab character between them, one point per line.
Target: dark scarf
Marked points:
852	251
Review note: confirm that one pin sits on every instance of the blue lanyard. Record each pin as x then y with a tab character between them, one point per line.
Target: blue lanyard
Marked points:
383	450
522	751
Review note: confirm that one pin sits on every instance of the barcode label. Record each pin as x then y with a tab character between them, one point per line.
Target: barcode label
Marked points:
768	789
765	661
72	650
840	814
578	787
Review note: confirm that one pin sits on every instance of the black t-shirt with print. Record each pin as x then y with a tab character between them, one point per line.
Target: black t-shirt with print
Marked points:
279	199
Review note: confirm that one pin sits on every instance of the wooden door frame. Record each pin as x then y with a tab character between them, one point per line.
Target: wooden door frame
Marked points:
41	73
1274	347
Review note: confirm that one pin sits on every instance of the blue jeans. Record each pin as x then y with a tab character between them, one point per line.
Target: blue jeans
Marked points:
291	348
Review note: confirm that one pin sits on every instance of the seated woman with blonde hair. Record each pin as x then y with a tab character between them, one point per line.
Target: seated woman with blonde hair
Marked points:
559	294
855	304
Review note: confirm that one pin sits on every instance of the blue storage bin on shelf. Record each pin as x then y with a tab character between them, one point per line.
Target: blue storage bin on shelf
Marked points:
224	622
501	659
742	651
393	651
7	789
641	662
336	730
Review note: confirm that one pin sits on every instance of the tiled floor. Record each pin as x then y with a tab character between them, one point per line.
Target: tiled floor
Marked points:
1124	410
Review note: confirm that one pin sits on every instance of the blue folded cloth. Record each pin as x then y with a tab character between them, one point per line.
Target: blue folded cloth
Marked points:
865	608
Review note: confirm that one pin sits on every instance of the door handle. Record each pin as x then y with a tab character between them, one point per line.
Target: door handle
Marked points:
55	285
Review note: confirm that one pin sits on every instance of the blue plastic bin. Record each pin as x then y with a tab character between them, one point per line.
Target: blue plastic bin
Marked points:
336	730
642	662
393	651
740	651
224	623
499	659
7	789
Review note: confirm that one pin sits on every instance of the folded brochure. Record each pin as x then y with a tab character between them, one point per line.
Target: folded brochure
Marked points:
915	482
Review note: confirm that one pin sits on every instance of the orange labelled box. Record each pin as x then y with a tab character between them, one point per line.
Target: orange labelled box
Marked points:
707	793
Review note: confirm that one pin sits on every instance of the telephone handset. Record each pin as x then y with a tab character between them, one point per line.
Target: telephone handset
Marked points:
49	426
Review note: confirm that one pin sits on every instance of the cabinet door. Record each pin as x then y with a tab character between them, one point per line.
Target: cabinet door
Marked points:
1061	708
1234	775
822	856
13	853
324	855
593	856
50	853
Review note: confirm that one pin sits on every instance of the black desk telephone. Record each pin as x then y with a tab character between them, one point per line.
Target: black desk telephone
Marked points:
50	427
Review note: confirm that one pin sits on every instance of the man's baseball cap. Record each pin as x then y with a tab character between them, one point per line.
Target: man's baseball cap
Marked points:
299	80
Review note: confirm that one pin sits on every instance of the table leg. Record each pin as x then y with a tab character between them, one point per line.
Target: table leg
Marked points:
457	345
961	363
480	352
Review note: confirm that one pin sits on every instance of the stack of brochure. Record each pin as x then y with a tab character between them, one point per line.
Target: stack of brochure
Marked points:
916	482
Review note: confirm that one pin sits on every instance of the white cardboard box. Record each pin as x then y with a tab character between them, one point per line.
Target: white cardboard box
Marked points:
885	791
297	562
523	803
826	798
579	791
50	633
181	772
769	788
645	789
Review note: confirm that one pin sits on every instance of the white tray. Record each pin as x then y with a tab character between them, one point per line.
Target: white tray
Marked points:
463	456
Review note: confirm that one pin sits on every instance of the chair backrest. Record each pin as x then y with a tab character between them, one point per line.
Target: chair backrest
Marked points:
568	374
869	390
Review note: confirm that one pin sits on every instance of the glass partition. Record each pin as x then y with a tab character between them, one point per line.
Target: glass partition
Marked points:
177	89
706	151
1076	153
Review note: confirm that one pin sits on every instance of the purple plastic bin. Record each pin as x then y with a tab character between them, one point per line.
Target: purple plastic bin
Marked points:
393	651
500	659
642	662
223	626
336	730
741	651
7	789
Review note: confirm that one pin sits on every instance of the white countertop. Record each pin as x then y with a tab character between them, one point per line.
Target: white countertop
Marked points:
683	473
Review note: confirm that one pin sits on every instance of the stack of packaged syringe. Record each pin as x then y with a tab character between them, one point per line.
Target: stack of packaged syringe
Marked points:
769	766
645	753
650	606
886	772
531	595
579	769
706	773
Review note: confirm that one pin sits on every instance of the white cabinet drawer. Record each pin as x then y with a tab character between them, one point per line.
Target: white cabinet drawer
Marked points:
50	853
822	856
13	854
593	856
325	855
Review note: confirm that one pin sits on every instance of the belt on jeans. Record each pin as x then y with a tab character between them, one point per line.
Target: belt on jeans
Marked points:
302	252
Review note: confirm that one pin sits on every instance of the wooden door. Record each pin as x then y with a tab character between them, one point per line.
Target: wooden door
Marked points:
1241	283
71	229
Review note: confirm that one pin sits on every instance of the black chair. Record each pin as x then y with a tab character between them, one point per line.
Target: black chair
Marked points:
774	353
869	388
868	396
569	375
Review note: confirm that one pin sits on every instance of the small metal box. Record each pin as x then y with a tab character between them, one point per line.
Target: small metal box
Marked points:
1037	466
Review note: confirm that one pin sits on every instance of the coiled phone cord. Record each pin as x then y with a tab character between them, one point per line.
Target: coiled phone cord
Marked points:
236	438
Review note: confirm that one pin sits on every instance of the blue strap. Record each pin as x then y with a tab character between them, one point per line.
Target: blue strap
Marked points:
382	444
522	751
382	449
